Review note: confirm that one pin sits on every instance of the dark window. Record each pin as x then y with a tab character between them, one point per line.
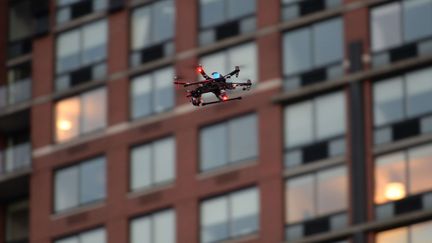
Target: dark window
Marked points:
20	28
292	9
71	9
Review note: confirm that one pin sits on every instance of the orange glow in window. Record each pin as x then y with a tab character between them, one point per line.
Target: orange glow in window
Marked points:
395	191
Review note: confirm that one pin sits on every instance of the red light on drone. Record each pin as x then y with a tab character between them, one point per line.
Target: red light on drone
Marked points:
225	98
199	69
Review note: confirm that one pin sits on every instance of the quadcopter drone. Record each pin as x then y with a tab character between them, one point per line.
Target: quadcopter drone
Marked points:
217	84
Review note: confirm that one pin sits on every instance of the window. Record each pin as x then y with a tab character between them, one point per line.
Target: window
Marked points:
244	56
402	98
229	142
230	216
404	173
17	222
81	54
314	195
292	9
20	28
72	9
398	31
152	93
221	19
155	228
80	114
92	236
315	128
18	87
79	184
152	163
314	52
15	154
152	32
416	233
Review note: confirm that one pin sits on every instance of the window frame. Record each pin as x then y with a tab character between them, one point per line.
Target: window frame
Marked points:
79	234
59	8
151	216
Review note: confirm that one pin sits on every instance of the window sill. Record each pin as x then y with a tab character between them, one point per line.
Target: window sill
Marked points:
315	166
151	189
231	167
401	144
19	60
79	21
243	238
77	210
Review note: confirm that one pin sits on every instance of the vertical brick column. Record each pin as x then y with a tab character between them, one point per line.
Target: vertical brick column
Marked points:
269	46
118	49
270	129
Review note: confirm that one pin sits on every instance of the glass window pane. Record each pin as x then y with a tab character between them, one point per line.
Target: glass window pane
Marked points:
332	191
330	111
140	230
163	20
244	56
386	26
94	110
298	124
164	89
141	99
66	2
388	101
141	28
390	179
212	63
94	236
214	220
68	51
141	168
164	159
66	188
328	42
297	54
67	119
300	199
73	239
20	20
419	92
243	138
94	42
399	235
17	221
420	167
421	232
244	212
212	12
416	16
164	227
213	146
92	185
240	8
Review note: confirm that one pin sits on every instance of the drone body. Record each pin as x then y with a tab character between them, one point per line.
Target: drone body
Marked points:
217	84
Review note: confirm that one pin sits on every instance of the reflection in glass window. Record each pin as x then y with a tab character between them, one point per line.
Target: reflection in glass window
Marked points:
313	46
402	97
79	115
320	118
404	173
230	216
152	163
416	233
154	228
314	195
215	12
91	236
79	184
229	142
399	22
152	93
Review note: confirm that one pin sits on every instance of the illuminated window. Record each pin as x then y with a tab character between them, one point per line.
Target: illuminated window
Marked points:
152	164
220	19
400	174
401	106
91	236
416	233
81	114
80	184
315	129
20	28
152	32
154	228
72	9
314	195
229	142
152	93
313	53
292	9
81	54
230	216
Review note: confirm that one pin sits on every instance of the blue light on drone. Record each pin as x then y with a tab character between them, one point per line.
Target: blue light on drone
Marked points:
216	75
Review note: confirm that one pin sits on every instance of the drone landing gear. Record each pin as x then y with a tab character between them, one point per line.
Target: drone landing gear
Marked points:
220	101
